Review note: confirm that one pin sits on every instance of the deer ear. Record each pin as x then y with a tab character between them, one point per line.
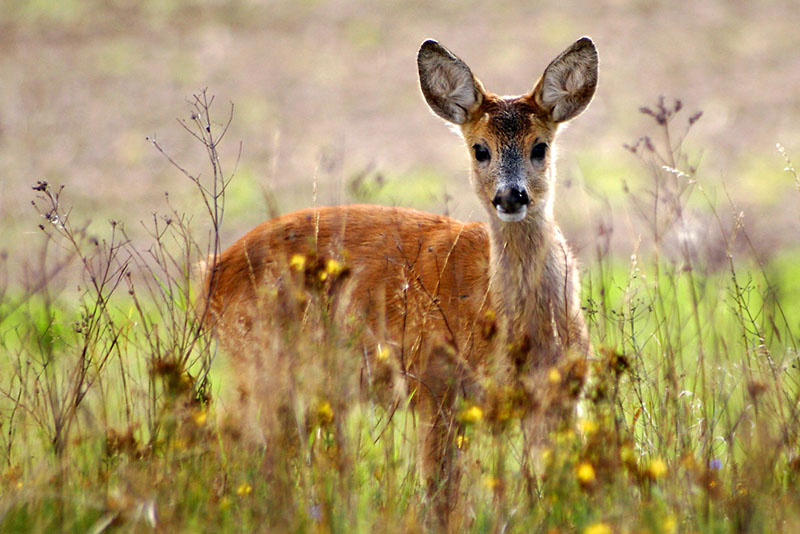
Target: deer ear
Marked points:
569	81
449	87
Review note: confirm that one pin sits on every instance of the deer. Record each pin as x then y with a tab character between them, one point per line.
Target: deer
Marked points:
426	286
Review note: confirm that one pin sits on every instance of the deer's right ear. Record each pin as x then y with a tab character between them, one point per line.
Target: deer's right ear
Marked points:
449	87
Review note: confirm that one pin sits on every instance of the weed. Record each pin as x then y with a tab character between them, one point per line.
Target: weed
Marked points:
117	414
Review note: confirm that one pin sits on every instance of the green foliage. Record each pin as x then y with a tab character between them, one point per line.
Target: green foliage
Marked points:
420	187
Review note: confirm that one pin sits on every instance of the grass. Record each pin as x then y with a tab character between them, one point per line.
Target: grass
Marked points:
118	415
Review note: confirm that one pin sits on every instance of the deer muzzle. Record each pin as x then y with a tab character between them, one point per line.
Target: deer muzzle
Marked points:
511	203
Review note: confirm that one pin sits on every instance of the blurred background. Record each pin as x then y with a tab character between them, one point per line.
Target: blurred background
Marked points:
327	91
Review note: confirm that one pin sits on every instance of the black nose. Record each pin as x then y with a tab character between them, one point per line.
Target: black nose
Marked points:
510	200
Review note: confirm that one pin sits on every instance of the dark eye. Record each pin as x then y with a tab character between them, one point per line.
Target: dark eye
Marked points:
481	153
538	151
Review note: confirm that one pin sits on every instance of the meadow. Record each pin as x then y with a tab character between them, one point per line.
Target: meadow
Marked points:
119	414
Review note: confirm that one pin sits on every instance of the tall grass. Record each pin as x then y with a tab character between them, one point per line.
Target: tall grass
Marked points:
117	414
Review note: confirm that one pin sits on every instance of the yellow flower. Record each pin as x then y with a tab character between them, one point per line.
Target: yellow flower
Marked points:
656	468
244	489
585	473
325	413
334	267
473	414
670	525
598	528
587	426
200	417
383	353
492	482
553	376
461	441
297	262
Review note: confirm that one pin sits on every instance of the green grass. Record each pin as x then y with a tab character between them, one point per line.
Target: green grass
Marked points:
118	415
419	187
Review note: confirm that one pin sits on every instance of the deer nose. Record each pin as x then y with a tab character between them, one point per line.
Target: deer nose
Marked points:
510	200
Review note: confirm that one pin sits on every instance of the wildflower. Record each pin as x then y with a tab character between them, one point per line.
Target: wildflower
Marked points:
585	473
656	468
553	376
200	417
244	489
598	528
315	511
462	441
670	525
588	426
715	464
325	413
297	262
333	267
473	414
383	353
492	482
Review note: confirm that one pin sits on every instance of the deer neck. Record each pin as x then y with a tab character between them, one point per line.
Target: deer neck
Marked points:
519	253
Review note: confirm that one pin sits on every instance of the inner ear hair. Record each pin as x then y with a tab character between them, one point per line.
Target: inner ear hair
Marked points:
447	83
568	84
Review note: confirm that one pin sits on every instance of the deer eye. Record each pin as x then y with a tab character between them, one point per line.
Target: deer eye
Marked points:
538	151
481	153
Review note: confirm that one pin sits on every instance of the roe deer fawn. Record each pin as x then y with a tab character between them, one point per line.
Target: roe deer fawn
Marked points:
425	284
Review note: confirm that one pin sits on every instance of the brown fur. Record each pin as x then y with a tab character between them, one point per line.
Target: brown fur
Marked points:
427	285
417	278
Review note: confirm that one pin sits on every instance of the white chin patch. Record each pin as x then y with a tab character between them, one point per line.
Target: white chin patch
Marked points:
512	217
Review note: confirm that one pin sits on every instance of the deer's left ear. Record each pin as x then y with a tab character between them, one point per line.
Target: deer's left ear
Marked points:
568	83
